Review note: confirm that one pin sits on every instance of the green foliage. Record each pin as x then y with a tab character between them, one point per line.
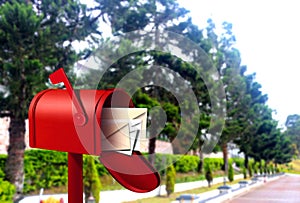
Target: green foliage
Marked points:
189	178
239	162
261	170
250	169
36	39
271	169
45	169
215	163
230	173
244	172
292	131
91	180
7	190
170	179
208	174
100	168
255	168
186	163
2	164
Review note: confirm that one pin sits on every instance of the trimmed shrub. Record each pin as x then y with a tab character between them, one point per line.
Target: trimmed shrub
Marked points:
255	168
239	162
245	173
170	180
91	180
208	174
44	169
215	163
250	169
230	173
186	163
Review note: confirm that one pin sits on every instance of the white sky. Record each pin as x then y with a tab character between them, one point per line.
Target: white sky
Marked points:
267	34
268	37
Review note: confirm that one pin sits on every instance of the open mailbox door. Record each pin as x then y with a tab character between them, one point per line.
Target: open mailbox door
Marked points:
126	164
93	122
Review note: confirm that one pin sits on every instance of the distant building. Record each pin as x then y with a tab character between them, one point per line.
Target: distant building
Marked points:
162	147
4	134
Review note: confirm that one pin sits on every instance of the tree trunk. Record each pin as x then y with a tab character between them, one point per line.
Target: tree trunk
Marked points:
201	162
14	168
152	150
225	157
246	163
200	165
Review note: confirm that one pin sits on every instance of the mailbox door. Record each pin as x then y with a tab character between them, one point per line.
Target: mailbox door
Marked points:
133	172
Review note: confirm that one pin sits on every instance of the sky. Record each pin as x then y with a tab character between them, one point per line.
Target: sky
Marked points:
268	38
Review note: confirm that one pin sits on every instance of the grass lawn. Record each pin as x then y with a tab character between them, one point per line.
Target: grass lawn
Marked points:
293	167
108	183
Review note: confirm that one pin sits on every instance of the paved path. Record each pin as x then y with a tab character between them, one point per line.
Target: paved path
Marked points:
284	190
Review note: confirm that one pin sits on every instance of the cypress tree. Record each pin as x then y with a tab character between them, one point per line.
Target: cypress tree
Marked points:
92	184
170	182
230	173
208	174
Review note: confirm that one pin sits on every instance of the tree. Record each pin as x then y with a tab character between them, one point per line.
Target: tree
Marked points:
244	172
284	149
91	180
230	173
253	115
292	131
227	60
208	174
170	182
126	16
36	38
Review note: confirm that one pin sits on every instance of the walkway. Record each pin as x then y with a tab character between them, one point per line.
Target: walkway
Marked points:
285	190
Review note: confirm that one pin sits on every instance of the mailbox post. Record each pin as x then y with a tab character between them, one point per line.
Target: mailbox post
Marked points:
75	179
71	121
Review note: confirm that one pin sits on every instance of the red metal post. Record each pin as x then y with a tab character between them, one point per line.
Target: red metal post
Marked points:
75	180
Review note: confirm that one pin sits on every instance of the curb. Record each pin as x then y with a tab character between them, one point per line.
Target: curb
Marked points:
231	194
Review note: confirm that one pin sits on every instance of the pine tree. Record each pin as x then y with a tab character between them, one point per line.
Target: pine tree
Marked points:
36	39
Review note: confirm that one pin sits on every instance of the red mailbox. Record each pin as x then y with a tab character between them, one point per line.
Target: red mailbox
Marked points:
52	119
69	121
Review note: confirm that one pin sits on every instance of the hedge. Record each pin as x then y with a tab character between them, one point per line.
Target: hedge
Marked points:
46	169
7	190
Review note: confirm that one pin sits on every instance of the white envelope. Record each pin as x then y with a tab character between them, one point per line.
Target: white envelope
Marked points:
123	129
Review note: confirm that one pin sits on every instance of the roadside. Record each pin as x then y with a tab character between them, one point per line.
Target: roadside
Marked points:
202	195
119	196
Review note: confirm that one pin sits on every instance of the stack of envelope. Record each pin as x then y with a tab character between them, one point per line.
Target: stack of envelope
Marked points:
123	129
